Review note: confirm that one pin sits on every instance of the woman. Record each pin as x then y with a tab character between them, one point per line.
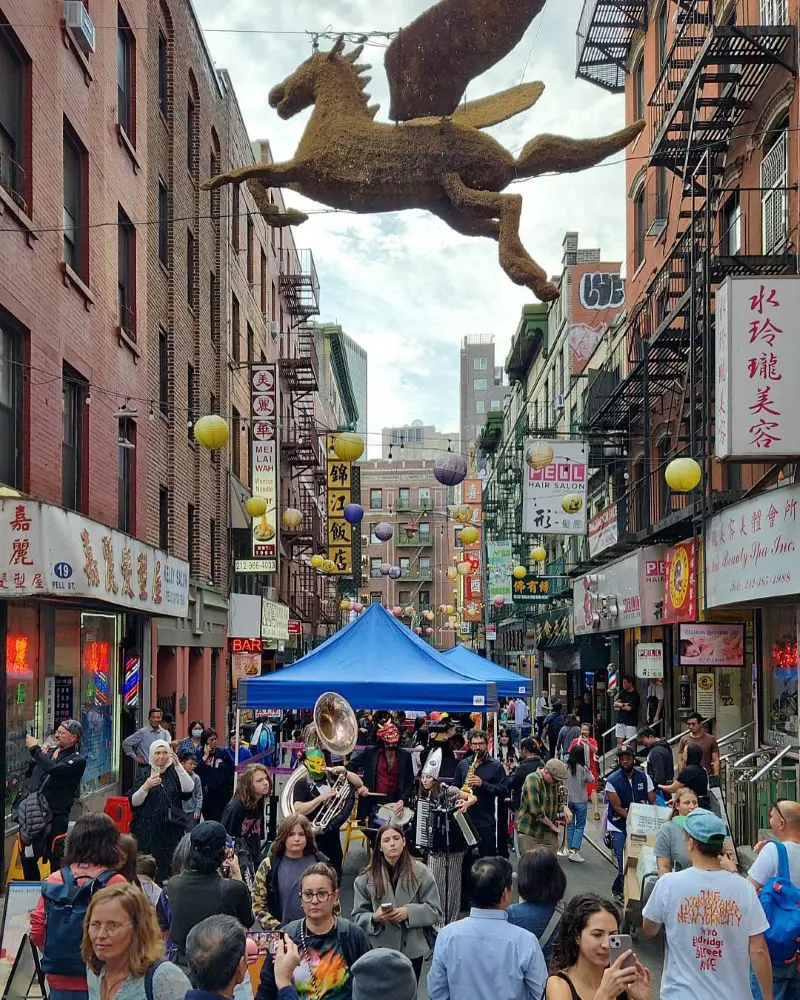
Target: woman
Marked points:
579	779
191	743
570	731
123	949
589	745
216	776
394	877
693	776
506	752
92	853
129	853
542	884
579	964
671	840
446	865
159	821
276	890
245	817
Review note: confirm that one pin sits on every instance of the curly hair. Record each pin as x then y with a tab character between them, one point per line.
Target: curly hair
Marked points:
566	947
287	824
244	786
146	943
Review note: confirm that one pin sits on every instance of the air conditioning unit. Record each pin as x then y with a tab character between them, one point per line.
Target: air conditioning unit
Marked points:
558	402
82	26
274	328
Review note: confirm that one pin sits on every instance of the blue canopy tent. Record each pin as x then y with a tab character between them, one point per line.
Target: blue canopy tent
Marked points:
374	662
470	664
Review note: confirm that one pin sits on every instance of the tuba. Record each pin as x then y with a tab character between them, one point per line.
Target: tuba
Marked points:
336	730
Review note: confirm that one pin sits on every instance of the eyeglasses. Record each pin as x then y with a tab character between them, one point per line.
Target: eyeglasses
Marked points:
110	927
307	895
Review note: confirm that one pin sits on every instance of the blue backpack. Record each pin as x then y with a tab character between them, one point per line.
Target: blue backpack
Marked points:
780	899
65	906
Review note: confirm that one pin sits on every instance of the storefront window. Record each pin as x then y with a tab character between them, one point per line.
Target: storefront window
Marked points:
99	656
780	672
22	680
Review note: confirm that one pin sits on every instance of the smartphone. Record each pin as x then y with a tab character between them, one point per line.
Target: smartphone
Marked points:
618	944
273	937
386	907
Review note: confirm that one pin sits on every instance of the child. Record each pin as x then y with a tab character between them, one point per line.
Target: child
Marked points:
147	873
193	807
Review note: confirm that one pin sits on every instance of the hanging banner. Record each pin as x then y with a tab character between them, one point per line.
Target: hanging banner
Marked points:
473	593
680	583
264	461
340	494
603	531
554	487
650	660
501	563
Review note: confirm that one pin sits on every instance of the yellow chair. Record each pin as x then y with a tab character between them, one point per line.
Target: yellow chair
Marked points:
354	831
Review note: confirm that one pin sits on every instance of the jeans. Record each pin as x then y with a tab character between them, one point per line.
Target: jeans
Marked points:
618	840
578	825
785	983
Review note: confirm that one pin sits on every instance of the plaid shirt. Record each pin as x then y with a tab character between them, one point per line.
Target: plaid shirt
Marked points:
538	799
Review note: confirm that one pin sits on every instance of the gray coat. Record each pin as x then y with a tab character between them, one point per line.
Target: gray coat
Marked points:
424	910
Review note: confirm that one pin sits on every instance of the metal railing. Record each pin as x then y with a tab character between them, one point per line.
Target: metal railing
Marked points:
753	784
12	179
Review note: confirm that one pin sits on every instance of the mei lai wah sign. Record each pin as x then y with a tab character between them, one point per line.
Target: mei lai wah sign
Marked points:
264	464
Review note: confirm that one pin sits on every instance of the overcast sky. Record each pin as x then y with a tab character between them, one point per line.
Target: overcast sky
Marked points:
404	285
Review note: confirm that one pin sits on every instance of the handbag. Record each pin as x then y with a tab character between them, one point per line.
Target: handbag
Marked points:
430	934
177	817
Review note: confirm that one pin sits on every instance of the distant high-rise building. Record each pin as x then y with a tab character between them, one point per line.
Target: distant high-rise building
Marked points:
357	363
482	388
416	442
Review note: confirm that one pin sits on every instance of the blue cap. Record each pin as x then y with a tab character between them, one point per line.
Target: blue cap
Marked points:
704	827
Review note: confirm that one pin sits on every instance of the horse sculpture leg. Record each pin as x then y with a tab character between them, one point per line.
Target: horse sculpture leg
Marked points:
270	174
514	258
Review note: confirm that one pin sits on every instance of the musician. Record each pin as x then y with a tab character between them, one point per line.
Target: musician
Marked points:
442	734
388	772
486	777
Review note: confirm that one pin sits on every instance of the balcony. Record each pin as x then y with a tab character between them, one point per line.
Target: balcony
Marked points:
404	540
403	506
299	363
491	436
415	573
605	33
299	283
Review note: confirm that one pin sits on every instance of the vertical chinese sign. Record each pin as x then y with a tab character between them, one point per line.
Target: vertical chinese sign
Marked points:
471	494
757	359
340	493
264	462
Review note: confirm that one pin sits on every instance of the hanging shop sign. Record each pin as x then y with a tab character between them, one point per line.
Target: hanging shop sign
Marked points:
237	645
712	645
757	359
650	660
706	701
501	562
49	551
751	549
624	594
553	630
473	592
554	487
244	665
680	583
472	494
264	461
274	620
340	494
533	589
603	531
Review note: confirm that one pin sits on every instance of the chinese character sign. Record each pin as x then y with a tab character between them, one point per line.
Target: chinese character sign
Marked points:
554	494
471	494
340	494
533	589
680	583
264	460
757	359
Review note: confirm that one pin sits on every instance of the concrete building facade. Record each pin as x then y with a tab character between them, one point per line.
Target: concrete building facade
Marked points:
482	389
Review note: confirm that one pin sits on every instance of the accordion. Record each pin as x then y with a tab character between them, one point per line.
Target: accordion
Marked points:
443	831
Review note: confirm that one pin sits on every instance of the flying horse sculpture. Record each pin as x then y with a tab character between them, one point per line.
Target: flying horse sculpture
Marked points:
434	156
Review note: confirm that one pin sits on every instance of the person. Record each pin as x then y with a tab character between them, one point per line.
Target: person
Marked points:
122	946
147	875
699	734
262	741
92	853
589	745
660	765
486	778
579	964
191	743
200	890
542	810
245	817
393	876
506	753
443	734
552	726
784	822
692	775
484	956
626	785
159	820
193	806
627	706
521	712
529	762
387	771
129	855
216	776
276	889
585	711
713	921
230	750
655	702
137	745
670	840
329	946
380	973
568	733
57	773
542	711
579	780
216	955
541	883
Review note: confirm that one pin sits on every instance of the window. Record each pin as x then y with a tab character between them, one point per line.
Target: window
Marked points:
190	266
405	566
457	538
162	73
163	518
212	541
638	88
479	364
126	487
495	406
190	538
424	599
236	461
663	29
404	598
235	349
163	371
732	227
639	227
774	12
125	70
163	223
779	636
404	497
775	191
73	402
263	284
662	193
375	597
251	345
235	216
191	135
375	567
75	207
424	529
480	406
14	76
480	384
126	264
190	401
375	499
10	405
424	497
251	260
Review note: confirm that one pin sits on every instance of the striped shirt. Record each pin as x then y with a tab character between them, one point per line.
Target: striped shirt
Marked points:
539	799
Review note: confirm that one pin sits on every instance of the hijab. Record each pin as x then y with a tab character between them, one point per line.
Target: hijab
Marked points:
159	745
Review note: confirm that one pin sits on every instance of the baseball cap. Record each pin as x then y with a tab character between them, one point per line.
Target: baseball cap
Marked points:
557	768
72	726
626	749
209	835
703	826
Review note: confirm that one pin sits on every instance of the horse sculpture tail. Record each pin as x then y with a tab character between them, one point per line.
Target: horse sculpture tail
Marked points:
557	154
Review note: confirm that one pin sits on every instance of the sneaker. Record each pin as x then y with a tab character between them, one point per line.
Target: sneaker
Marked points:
577	856
563	852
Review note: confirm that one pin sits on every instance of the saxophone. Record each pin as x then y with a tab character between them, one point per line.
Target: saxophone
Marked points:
477	759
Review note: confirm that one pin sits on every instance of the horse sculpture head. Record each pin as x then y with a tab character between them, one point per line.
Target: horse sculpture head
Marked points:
338	73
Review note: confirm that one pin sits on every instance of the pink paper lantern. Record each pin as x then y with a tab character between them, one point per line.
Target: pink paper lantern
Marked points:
499	602
429	631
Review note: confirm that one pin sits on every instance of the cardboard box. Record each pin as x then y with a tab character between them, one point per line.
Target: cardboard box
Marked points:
647	863
644	822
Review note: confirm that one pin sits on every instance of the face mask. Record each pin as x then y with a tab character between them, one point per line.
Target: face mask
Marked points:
197	733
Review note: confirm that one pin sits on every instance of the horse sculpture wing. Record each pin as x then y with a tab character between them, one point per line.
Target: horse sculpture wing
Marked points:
430	62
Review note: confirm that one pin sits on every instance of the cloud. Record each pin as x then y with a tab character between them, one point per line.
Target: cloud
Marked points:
406	286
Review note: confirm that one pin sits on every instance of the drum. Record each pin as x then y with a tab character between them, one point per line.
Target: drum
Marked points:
387	814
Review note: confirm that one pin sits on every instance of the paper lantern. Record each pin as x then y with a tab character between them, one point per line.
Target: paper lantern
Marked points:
539	455
442	609
451	573
353	513
450	469
464	568
499	602
395	573
292	518
572	503
317	561
451	609
463	513
397	612
255	506
409	612
211	431
429	631
427	614
328	566
519	572
418	630
539	554
386	569
344	605
349	447
383	530
683	475
469	535
358	607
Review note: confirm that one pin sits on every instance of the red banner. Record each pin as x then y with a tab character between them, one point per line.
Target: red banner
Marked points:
680	583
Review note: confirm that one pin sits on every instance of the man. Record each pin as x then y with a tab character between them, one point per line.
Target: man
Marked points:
521	712
627	706
487	782
713	921
529	761
216	953
137	745
784	821
230	750
542	711
380	973
387	769
484	957
655	702
626	785
584	711
552	726
660	766
57	771
699	734
542	809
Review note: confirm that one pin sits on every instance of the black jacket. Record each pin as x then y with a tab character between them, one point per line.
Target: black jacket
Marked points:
63	775
493	786
367	762
660	765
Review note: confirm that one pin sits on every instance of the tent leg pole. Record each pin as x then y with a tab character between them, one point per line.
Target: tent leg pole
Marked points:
236	753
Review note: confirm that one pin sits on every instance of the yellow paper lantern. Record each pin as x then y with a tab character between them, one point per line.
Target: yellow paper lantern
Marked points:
328	566
211	431
409	611
451	573
349	447
317	561
683	475
292	518
464	568
463	513
255	506
572	503
519	572
451	609
344	606
469	535
539	455
538	554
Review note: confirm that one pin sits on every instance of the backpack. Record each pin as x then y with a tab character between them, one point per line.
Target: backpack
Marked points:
34	817
148	978
780	899
65	906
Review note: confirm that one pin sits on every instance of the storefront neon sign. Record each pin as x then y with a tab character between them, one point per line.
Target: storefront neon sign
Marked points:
97	664
17	666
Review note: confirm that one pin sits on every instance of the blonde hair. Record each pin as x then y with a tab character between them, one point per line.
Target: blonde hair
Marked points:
146	943
244	785
677	800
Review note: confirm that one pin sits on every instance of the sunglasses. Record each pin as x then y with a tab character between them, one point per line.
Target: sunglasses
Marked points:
776	806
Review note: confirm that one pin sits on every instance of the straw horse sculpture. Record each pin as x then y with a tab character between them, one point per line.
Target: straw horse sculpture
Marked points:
435	156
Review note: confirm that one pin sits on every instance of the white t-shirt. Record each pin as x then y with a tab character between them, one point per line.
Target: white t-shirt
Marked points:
765	866
709	918
520	711
542	706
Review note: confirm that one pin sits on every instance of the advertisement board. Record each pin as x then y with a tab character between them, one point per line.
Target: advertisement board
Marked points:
264	461
650	660
603	530
623	594
554	487
340	493
712	645
501	562
680	583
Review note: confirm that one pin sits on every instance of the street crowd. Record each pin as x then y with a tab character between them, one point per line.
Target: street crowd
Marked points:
210	895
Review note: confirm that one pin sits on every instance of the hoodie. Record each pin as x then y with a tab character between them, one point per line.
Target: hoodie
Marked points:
660	765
